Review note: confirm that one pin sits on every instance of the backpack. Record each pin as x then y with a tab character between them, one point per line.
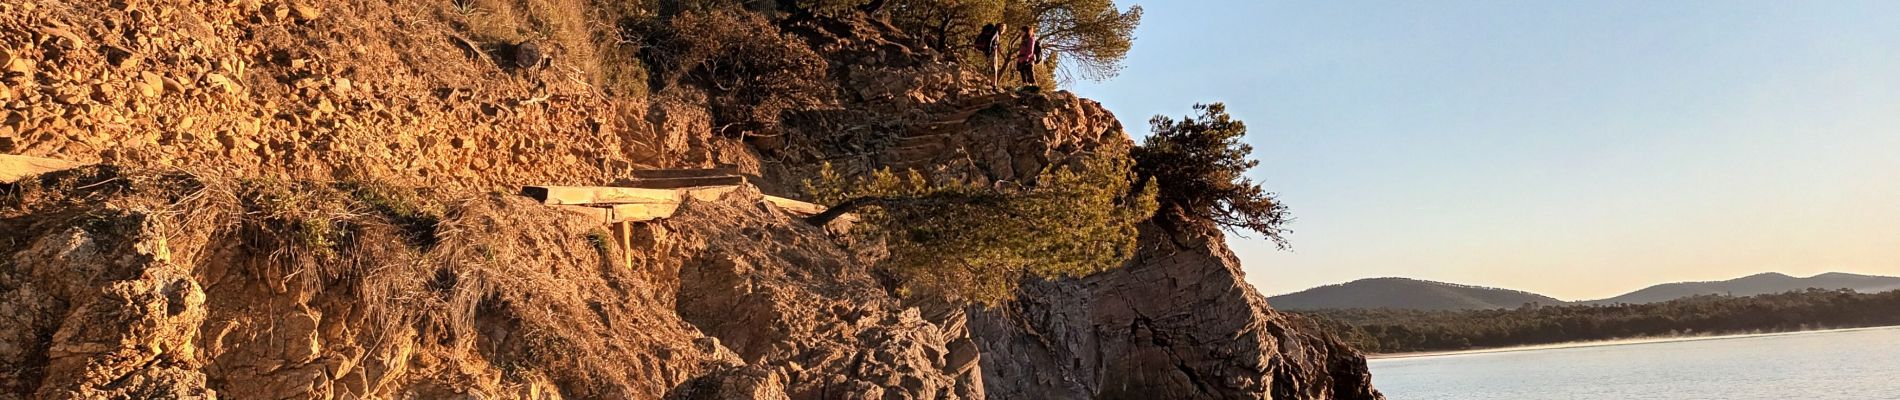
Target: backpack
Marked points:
987	38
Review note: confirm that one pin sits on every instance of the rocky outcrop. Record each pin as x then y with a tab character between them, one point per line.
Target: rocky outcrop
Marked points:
907	106
1178	322
804	313
101	310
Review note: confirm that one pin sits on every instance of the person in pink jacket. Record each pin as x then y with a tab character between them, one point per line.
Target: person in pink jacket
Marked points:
1028	54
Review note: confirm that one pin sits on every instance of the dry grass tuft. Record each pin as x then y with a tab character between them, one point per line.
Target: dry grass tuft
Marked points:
752	70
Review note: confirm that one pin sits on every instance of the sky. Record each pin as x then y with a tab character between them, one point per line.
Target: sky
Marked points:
1577	149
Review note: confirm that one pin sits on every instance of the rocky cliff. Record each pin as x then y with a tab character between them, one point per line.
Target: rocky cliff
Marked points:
1178	321
313	199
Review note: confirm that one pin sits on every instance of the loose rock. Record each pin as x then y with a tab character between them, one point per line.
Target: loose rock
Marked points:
306	12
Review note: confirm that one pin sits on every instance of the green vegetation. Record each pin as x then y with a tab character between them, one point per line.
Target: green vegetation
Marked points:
1201	165
318	219
943	24
977	243
297	216
403	206
1399	331
1086	38
756	72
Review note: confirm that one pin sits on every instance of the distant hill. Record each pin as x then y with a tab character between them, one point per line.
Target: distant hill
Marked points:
1757	284
1414	294
1403	293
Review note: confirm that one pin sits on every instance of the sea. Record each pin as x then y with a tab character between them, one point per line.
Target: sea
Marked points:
1854	364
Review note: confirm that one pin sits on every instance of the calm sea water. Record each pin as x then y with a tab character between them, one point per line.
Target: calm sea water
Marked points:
1851	364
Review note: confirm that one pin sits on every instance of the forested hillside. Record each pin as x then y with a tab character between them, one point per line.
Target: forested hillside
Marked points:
1765	283
1401	331
1410	294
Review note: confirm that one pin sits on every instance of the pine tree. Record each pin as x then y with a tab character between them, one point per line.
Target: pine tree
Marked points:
1201	163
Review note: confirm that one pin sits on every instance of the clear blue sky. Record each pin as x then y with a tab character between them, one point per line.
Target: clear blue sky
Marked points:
1578	149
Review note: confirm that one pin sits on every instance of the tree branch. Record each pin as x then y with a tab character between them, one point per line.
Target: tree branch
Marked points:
844	208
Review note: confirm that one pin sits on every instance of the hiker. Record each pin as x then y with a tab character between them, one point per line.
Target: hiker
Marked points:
1028	54
989	40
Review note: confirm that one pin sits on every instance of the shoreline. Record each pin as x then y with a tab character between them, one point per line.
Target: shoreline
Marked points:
1606	343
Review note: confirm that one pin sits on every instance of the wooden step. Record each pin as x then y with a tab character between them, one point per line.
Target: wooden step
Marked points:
624	212
612	204
640	212
602	215
683	182
585	195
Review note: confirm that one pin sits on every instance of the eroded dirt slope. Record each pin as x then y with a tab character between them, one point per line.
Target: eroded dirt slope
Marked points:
326	88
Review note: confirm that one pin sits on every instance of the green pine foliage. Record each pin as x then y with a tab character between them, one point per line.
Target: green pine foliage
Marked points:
1201	163
977	243
1089	38
1083	38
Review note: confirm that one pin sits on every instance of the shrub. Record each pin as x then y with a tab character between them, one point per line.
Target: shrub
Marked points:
751	71
403	206
1085	38
977	243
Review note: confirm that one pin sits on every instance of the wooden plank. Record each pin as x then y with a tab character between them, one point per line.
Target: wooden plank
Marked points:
621	204
596	213
706	193
582	195
14	168
676	183
636	212
640	212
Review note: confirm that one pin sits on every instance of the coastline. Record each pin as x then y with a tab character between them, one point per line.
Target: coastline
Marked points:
1605	343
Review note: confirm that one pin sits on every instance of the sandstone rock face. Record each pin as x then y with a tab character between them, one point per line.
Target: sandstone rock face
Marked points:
1178	322
113	305
803	313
